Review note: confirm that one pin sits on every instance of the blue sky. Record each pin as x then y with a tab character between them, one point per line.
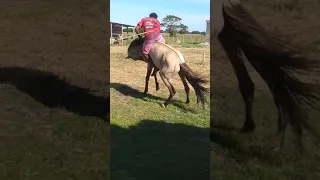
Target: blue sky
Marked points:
193	13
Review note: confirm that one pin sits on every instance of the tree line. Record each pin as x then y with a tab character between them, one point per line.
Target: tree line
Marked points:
173	26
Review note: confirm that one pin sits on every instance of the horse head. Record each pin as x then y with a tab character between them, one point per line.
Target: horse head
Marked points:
135	49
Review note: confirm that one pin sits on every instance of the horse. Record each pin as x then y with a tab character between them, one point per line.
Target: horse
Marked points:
169	62
276	62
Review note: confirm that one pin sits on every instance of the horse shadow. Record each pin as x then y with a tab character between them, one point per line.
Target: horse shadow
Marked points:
158	150
129	91
53	92
231	139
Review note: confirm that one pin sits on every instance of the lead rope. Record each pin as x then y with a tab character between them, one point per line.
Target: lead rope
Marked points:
131	36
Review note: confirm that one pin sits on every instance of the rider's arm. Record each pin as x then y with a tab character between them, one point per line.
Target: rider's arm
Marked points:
137	29
139	26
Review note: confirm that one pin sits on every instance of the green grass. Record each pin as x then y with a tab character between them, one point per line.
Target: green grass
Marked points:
253	156
147	140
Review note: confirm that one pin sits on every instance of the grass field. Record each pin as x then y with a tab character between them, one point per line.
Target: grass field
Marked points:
151	142
53	91
238	156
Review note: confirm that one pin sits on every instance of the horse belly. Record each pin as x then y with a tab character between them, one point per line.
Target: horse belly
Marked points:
156	58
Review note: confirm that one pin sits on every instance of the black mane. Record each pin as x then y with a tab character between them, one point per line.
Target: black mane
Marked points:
136	42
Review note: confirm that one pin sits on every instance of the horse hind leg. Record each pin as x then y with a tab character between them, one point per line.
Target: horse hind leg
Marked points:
185	84
282	124
247	91
246	85
170	87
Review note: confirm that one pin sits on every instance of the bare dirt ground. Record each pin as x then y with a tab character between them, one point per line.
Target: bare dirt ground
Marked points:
54	90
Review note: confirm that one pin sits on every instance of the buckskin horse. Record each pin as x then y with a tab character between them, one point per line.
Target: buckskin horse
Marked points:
169	62
276	62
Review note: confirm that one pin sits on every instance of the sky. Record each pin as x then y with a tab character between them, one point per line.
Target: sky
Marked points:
193	13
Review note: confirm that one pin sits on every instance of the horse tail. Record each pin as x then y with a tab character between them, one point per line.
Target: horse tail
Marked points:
279	65
196	82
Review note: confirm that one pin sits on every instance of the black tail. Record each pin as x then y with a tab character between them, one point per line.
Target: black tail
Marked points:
195	80
278	64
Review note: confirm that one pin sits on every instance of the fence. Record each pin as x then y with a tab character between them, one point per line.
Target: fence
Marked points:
178	39
184	38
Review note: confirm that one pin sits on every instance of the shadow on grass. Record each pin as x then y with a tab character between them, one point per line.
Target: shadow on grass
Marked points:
129	91
239	146
158	150
54	92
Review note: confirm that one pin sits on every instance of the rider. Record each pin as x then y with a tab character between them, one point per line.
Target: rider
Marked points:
152	33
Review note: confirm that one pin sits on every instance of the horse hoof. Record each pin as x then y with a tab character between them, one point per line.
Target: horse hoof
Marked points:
162	105
157	88
187	102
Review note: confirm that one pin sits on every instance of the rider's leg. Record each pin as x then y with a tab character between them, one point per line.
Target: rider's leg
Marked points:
145	57
161	39
145	50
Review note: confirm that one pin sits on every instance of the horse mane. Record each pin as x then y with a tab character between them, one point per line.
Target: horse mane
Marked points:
175	50
136	42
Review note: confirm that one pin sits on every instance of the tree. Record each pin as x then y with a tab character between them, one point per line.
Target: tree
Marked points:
195	32
183	29
172	24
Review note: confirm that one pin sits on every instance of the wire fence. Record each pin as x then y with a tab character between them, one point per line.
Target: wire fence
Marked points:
178	39
184	38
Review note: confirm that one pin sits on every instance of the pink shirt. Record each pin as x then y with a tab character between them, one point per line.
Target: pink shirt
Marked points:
151	27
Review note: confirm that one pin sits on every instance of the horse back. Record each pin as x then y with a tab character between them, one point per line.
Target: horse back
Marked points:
162	55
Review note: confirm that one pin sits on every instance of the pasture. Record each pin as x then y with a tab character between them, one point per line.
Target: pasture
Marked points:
252	156
147	140
53	90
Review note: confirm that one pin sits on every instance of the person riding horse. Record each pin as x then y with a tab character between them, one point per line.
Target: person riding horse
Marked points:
151	27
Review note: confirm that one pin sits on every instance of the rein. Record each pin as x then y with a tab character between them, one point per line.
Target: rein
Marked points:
131	36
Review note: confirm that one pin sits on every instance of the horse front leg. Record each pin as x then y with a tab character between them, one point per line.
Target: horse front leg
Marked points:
155	70
149	70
